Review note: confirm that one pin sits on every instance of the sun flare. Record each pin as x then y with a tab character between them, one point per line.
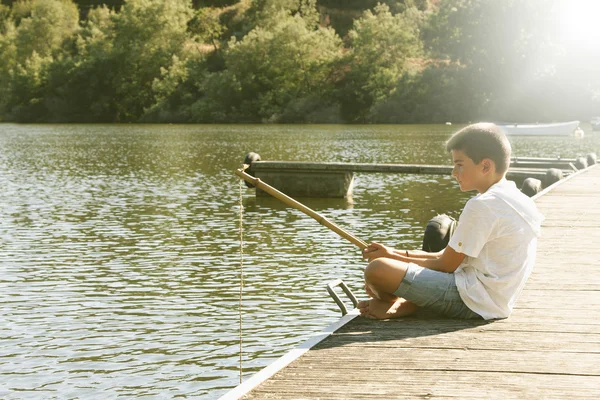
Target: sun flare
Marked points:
578	23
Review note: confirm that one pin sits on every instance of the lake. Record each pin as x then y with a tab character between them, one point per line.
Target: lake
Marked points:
120	255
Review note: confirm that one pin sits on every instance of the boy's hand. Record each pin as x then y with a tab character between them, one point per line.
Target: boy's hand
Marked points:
376	250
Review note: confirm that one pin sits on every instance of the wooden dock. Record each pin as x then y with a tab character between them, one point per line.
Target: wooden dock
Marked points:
548	348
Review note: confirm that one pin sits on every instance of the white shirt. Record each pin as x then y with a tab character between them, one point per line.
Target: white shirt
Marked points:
497	231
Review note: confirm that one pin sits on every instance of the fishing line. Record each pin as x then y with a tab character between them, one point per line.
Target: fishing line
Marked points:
241	234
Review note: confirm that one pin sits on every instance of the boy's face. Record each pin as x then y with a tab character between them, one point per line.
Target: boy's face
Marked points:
468	174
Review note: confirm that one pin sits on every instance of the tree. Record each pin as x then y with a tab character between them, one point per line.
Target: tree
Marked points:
148	33
8	55
381	43
81	87
266	13
119	56
50	24
440	93
173	90
31	42
206	27
501	43
271	71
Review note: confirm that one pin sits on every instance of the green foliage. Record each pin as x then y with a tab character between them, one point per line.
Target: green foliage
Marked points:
438	94
8	54
147	35
167	93
82	87
283	61
272	73
340	14
119	56
483	32
206	27
266	13
170	79
96	38
4	18
21	9
499	42
37	35
214	3
362	5
45	29
27	88
381	43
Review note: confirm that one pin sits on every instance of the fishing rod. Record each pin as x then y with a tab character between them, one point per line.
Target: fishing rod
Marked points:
298	206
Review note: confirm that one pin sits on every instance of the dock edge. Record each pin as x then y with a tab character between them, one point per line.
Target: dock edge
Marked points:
282	362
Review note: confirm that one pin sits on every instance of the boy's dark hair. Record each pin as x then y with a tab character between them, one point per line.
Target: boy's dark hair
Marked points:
482	140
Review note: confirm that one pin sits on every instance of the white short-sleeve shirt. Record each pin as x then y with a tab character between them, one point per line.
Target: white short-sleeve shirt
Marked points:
497	231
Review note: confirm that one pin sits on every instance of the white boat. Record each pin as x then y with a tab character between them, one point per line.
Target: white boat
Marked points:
556	129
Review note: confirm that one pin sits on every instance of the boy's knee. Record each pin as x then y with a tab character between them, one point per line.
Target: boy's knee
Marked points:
377	271
385	274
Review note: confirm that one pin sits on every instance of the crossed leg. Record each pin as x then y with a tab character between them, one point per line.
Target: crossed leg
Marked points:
382	278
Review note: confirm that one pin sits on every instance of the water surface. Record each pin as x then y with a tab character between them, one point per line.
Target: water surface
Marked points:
120	253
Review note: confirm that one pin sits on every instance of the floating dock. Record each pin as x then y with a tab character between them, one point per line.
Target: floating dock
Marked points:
333	179
548	348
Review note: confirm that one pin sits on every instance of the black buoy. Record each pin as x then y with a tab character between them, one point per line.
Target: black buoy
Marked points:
531	186
251	157
592	158
248	160
438	231
581	163
553	175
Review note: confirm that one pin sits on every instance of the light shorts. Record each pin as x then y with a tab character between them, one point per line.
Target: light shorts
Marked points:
434	290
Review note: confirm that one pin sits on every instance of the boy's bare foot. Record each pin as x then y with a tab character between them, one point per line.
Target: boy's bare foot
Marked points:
386	297
369	292
378	309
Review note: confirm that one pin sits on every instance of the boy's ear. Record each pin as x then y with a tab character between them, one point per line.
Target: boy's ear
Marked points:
487	165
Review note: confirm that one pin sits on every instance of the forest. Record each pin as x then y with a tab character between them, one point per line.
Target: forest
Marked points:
298	61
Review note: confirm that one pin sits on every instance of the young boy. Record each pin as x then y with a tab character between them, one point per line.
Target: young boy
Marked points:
489	257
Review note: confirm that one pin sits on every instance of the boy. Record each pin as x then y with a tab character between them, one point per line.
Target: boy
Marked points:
489	257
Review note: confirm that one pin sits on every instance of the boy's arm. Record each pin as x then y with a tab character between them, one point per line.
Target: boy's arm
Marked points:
376	250
419	253
448	261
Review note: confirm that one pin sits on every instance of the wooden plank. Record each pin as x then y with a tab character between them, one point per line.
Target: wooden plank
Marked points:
535	315
399	359
560	221
550	299
451	325
474	340
401	329
325	384
556	270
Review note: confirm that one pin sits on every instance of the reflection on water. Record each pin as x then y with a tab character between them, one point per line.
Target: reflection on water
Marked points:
119	261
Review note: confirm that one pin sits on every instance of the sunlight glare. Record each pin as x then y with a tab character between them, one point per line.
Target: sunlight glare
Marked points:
578	23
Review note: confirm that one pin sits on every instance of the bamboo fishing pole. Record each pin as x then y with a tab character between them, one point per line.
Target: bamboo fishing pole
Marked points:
299	206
